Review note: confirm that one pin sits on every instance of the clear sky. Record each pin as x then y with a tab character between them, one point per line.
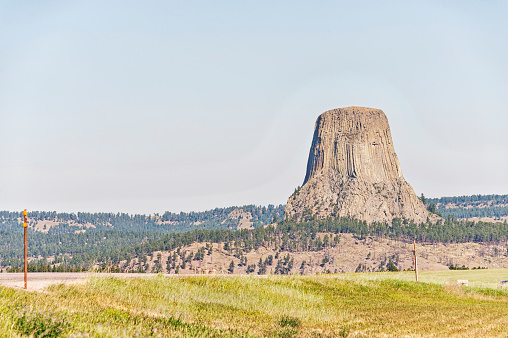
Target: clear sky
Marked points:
153	106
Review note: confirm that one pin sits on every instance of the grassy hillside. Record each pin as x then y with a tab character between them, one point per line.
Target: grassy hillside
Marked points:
349	253
96	237
358	305
478	279
84	239
320	239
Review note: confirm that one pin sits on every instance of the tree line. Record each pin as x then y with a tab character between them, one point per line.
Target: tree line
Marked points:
168	222
495	206
470	200
109	246
290	236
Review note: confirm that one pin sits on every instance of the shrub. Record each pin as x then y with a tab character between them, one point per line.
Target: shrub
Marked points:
344	332
37	323
289	321
290	326
392	267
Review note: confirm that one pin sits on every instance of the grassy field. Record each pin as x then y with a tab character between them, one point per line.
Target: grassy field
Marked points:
487	278
354	305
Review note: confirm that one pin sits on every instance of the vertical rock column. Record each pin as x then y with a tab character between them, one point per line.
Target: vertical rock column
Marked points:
353	171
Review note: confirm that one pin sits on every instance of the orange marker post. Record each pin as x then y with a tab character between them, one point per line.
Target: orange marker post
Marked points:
416	261
25	225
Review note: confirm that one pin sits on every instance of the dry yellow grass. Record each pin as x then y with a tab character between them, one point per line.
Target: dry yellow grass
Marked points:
355	305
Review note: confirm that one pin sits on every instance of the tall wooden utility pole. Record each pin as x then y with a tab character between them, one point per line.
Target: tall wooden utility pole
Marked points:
416	262
25	225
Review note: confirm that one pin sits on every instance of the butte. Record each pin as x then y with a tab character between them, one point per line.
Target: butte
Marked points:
353	172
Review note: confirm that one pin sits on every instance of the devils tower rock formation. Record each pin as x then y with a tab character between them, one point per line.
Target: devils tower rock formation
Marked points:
353	171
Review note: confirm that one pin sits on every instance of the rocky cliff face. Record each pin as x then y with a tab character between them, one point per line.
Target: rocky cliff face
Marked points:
353	171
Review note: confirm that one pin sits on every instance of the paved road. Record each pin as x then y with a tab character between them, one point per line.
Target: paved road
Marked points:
40	280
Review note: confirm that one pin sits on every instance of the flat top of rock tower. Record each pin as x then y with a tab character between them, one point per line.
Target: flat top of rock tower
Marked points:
353	109
356	108
354	117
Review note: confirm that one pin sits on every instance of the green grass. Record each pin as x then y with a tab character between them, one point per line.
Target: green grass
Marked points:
355	305
487	278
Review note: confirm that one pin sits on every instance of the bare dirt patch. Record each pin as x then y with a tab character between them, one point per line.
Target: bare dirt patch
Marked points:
503	219
45	226
244	218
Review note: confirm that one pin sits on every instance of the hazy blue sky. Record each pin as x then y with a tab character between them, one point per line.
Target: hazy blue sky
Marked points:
148	106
